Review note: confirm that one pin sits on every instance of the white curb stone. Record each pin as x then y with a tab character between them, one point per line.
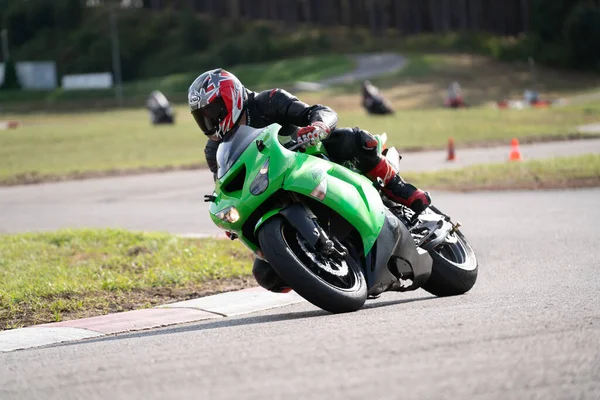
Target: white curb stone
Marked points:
225	304
24	338
239	302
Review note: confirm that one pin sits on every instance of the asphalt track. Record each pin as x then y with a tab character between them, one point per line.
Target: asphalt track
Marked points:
173	201
368	66
530	329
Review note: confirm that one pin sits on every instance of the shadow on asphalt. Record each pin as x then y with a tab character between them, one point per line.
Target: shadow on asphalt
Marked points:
228	322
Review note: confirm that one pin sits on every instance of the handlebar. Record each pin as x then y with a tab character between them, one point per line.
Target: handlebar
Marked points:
292	145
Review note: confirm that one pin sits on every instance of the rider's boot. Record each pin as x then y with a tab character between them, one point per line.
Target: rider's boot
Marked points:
397	190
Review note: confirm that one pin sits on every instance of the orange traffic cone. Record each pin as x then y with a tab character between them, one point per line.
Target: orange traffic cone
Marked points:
451	153
515	153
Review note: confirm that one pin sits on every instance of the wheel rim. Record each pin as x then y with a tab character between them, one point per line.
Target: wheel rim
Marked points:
327	269
459	254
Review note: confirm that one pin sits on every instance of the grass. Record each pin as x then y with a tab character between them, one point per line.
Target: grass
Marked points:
425	79
555	173
280	73
72	143
55	145
46	277
431	128
52	146
258	76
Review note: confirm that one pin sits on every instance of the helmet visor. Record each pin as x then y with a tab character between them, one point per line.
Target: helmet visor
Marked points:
209	116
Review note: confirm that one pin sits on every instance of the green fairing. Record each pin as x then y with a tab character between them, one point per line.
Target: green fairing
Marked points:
348	193
265	217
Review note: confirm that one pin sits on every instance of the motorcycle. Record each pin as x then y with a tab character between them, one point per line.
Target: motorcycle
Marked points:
328	231
160	109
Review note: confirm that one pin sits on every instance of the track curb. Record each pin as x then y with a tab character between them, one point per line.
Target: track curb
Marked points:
222	305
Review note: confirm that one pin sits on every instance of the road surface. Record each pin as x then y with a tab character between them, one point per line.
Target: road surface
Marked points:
530	329
369	66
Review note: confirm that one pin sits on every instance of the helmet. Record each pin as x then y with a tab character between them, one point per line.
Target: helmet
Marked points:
216	99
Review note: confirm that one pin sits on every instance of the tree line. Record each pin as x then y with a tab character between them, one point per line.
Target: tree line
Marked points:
564	33
404	16
160	37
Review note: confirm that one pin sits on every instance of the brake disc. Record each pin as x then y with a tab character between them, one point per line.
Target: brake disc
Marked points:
343	267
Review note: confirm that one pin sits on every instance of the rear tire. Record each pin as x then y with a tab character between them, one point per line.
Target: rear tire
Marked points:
278	241
454	270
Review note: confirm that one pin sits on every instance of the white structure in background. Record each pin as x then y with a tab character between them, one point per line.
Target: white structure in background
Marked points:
102	80
37	75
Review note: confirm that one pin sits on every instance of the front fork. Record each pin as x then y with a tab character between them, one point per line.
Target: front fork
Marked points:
306	224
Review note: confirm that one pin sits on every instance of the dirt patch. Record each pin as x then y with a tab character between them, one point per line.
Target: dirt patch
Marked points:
137	250
575	183
75	306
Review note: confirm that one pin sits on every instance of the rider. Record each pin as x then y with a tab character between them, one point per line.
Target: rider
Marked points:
219	103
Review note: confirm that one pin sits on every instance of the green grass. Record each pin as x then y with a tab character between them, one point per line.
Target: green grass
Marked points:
432	127
255	76
424	81
263	76
558	173
68	144
50	276
60	144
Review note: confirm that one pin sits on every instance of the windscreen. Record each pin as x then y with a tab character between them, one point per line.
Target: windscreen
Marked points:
232	148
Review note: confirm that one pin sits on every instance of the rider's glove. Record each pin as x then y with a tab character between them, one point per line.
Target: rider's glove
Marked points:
309	136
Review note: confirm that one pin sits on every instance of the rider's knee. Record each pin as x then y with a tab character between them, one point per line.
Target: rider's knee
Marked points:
368	153
267	278
367	140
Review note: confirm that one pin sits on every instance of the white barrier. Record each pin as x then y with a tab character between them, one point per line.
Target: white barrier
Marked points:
39	75
103	80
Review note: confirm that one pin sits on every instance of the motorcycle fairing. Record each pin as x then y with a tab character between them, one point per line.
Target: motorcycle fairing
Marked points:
385	266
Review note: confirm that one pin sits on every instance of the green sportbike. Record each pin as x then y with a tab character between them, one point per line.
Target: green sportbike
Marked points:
328	231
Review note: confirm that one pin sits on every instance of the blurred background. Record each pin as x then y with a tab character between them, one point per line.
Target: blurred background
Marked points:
164	44
65	60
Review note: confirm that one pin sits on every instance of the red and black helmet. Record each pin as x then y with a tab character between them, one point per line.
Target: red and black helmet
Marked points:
216	100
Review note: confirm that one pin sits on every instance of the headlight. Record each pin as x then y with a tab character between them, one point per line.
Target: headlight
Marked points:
261	182
230	214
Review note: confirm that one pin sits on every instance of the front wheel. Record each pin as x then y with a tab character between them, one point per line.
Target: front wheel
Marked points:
335	285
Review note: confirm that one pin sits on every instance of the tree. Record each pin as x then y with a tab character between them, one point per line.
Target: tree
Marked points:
15	20
582	34
193	31
548	18
68	13
40	14
11	81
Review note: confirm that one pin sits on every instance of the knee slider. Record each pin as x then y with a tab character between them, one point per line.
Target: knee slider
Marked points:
266	276
367	140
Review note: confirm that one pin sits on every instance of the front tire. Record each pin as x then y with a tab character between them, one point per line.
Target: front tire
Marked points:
299	268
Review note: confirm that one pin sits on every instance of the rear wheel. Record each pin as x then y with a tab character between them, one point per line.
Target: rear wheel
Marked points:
454	269
334	284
